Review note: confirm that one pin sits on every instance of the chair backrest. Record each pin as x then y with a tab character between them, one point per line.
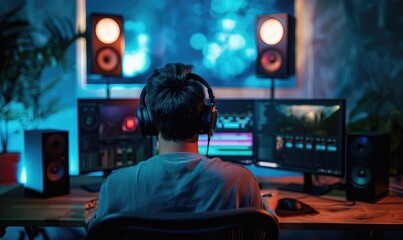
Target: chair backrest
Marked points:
234	224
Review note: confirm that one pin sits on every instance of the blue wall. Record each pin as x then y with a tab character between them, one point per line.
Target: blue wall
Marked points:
217	37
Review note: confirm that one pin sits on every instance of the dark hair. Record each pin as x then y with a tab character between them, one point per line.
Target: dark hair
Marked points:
174	102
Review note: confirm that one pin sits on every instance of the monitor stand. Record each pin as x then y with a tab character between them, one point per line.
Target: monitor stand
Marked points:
95	186
306	187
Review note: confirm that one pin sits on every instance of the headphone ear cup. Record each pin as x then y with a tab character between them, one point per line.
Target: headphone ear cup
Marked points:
208	120
147	125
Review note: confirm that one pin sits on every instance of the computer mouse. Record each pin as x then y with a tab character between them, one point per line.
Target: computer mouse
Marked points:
289	204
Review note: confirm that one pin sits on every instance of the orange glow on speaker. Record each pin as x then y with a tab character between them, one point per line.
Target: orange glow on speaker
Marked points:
107	59
271	60
107	30
271	31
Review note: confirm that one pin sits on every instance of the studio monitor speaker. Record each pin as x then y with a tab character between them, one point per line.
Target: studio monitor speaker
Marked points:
367	166
275	36
107	45
46	162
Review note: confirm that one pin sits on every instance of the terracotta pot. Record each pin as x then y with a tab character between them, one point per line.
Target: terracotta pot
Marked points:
9	167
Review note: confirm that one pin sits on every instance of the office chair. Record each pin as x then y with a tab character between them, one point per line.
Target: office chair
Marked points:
234	224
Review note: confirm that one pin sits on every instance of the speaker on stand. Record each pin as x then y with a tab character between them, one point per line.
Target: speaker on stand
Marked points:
276	45
47	162
367	166
106	47
275	38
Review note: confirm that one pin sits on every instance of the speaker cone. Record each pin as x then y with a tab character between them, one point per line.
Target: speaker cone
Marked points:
55	144
107	59
361	176
271	60
271	31
360	148
55	171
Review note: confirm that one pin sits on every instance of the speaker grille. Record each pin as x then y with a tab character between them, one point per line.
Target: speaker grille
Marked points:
367	166
47	162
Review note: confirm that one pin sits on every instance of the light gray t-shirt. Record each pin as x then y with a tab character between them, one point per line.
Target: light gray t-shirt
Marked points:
178	182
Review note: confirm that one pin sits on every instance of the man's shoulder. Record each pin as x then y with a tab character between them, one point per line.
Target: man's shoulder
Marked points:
232	167
118	173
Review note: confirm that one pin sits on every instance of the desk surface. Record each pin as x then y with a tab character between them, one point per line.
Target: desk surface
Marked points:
335	212
18	209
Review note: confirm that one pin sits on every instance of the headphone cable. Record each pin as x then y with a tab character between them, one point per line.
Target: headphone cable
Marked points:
208	144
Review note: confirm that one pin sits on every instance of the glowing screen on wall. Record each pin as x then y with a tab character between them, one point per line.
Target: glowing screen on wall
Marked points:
216	36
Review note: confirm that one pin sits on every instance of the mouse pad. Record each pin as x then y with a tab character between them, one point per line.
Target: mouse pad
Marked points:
306	209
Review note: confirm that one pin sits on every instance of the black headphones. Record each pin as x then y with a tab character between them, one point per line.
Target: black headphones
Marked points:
208	115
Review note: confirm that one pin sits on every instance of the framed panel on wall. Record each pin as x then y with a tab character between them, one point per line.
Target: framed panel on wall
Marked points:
216	37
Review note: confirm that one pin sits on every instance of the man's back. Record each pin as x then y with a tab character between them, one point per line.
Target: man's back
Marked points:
178	182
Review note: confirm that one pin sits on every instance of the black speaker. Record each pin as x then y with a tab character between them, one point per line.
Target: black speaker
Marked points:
47	162
275	37
367	166
208	116
107	45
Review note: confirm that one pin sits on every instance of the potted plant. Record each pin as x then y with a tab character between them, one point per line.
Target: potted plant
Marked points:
23	58
14	40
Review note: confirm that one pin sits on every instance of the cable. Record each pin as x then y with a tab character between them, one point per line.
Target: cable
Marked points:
208	144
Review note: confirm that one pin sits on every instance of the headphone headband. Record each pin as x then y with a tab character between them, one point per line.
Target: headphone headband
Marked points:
205	83
208	115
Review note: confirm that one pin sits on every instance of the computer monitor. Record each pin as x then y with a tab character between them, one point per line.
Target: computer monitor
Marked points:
304	135
109	135
233	136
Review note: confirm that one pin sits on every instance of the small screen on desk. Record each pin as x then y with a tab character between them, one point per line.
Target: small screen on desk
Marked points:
109	134
233	136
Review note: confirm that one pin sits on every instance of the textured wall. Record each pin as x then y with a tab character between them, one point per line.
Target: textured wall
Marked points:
348	48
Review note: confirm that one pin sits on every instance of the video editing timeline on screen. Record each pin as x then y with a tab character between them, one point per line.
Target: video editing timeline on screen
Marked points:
233	136
109	134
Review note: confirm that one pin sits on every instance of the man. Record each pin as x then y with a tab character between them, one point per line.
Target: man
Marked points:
178	179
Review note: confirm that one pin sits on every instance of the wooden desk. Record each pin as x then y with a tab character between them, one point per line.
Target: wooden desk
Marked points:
335	212
17	209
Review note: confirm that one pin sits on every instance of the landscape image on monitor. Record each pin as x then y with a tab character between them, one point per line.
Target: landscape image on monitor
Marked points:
314	120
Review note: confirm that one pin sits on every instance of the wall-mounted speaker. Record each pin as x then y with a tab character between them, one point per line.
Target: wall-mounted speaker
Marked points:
107	45
47	162
275	35
367	166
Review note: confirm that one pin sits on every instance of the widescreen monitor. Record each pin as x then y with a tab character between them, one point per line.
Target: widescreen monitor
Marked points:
304	135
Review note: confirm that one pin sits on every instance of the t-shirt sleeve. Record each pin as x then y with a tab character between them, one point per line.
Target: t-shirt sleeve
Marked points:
102	209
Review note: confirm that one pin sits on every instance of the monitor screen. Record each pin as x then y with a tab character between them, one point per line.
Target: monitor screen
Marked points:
301	135
109	135
233	136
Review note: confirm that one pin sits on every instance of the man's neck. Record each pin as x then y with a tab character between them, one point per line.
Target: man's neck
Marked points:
166	146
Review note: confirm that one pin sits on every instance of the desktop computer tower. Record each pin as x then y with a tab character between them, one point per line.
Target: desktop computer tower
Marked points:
367	166
46	162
